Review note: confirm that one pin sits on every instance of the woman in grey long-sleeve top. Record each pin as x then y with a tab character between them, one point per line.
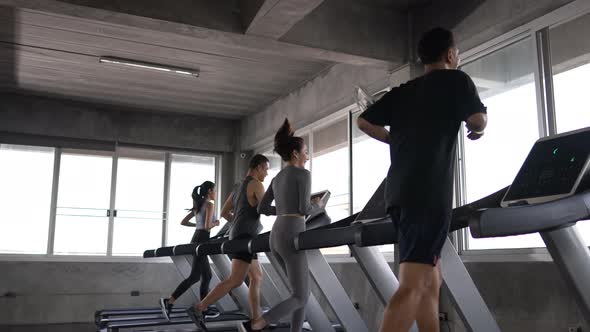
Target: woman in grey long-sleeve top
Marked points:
291	190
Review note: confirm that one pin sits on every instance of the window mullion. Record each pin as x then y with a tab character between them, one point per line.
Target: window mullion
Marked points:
350	156
166	198
53	207
112	203
544	84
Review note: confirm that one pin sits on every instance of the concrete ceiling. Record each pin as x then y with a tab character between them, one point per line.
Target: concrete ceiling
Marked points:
248	53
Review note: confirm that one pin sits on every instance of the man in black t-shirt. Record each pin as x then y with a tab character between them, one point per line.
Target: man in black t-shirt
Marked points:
424	116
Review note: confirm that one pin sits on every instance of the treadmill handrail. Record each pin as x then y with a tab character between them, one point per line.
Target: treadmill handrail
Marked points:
222	245
528	219
369	221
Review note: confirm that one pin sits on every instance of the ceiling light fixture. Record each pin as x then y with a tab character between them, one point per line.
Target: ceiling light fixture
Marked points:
148	66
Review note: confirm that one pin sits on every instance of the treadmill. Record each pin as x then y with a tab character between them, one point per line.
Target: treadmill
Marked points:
549	195
371	227
143	318
362	232
322	275
317	319
531	204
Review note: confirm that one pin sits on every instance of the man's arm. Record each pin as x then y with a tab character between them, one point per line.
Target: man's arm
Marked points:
470	108
377	132
476	124
374	119
228	207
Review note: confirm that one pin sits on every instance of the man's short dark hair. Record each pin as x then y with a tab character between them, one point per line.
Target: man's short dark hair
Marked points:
434	44
257	160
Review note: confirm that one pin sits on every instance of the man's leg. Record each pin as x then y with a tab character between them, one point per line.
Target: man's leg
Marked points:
427	317
255	276
239	269
414	283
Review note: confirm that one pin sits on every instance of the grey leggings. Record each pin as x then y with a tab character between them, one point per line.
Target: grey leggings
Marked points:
294	263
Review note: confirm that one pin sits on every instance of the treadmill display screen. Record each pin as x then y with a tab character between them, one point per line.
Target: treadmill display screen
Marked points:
552	167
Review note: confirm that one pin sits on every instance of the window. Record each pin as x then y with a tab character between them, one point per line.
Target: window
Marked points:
26	175
139	201
330	167
370	163
83	201
187	172
506	85
95	212
330	170
570	57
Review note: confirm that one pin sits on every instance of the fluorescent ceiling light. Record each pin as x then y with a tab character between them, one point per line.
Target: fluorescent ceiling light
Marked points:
149	66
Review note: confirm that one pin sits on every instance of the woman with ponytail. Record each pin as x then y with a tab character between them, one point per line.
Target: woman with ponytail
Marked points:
203	211
291	191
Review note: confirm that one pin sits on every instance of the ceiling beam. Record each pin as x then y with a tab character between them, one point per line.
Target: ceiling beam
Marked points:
68	17
274	18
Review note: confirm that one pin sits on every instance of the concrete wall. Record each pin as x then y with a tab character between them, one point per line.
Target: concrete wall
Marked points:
61	118
568	50
477	21
329	92
523	296
70	292
77	327
527	296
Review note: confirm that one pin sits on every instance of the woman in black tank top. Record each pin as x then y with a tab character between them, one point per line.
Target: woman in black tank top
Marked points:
246	220
240	209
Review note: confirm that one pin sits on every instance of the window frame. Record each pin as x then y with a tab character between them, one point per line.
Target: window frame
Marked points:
537	30
460	238
49	255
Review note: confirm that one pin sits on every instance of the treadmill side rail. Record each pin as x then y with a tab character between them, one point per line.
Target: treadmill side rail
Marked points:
468	302
334	293
572	258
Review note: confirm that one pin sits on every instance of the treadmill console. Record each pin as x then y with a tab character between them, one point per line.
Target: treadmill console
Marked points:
554	169
323	195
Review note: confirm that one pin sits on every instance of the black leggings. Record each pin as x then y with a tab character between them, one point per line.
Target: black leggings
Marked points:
200	271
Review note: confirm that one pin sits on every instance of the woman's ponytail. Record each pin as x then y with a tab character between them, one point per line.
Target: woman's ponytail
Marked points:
286	142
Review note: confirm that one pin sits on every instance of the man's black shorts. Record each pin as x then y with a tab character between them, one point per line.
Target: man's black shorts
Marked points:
243	256
422	233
